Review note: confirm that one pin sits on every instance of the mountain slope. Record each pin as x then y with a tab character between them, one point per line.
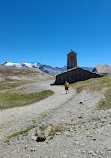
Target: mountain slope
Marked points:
88	68
51	70
21	73
45	68
102	68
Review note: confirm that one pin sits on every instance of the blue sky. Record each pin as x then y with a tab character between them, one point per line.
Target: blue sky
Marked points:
46	30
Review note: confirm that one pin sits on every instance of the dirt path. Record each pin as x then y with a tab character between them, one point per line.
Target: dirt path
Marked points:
13	119
87	130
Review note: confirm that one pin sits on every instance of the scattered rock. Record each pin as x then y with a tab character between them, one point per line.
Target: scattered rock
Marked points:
26	146
33	138
94	139
71	130
83	152
76	139
42	136
90	152
81	102
32	150
58	133
65	155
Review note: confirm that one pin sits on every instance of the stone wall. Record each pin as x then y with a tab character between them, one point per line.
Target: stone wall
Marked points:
73	75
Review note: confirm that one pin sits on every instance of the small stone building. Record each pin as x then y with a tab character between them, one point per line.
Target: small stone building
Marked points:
74	73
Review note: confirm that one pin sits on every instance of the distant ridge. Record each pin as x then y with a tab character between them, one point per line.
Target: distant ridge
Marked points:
102	68
88	68
8	73
45	68
22	64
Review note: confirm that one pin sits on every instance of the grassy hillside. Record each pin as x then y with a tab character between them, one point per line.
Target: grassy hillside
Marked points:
102	85
11	77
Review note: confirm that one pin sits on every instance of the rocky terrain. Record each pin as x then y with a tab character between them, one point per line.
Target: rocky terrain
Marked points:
102	68
82	131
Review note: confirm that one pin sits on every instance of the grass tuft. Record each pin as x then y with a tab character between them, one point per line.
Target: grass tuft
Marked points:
24	132
55	130
7	85
42	128
42	115
10	100
80	117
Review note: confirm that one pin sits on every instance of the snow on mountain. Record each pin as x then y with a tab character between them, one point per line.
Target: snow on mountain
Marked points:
45	68
7	63
22	64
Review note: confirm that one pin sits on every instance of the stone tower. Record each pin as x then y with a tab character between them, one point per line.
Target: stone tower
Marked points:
71	60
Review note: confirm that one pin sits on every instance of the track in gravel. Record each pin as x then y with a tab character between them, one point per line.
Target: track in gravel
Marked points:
89	132
14	118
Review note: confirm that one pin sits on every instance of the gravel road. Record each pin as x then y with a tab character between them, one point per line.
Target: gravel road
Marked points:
12	119
87	130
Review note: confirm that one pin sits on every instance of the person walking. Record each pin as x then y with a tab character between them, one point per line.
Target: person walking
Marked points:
66	85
